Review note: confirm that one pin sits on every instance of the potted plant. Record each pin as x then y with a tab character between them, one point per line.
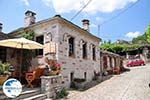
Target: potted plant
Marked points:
79	83
53	66
55	69
4	73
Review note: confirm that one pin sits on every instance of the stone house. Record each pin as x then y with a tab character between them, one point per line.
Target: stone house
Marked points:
110	60
75	48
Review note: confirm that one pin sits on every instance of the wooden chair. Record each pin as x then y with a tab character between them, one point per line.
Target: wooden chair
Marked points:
34	75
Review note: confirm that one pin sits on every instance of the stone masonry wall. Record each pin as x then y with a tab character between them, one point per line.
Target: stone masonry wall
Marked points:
77	64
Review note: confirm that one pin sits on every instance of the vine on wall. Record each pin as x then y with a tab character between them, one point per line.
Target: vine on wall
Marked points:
28	34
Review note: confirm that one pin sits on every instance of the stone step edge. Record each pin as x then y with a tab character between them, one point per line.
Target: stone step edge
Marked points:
30	91
34	97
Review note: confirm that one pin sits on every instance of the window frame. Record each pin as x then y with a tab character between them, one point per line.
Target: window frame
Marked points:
71	50
37	51
94	52
84	50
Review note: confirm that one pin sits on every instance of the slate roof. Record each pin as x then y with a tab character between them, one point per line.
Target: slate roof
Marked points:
3	36
112	54
46	20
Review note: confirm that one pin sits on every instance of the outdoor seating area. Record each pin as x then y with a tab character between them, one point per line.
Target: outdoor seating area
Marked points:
34	75
18	68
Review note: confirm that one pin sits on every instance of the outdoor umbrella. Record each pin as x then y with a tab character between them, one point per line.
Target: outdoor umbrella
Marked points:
21	43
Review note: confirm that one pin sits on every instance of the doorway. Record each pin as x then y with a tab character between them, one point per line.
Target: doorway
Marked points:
3	54
71	79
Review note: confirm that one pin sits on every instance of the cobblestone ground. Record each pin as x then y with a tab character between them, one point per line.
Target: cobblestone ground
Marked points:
132	85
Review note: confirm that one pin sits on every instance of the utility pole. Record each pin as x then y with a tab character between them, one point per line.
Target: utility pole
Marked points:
98	33
101	60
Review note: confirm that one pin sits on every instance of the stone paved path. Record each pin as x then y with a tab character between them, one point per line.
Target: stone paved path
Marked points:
131	85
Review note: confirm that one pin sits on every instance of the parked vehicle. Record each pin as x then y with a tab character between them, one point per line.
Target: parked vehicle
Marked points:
136	62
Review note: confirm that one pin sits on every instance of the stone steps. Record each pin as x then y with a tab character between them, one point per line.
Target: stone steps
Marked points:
27	94
36	97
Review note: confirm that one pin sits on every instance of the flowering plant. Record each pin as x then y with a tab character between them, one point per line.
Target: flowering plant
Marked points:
55	67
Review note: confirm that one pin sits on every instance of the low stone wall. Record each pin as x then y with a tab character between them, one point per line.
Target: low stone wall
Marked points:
50	84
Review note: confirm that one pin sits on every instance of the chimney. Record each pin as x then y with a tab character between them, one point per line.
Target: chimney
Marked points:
57	16
1	27
29	18
85	23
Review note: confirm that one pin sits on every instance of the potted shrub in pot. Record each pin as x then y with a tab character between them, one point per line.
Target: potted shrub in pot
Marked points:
53	66
4	73
79	83
55	69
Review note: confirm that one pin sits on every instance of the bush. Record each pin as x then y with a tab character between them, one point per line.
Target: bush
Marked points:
4	68
61	94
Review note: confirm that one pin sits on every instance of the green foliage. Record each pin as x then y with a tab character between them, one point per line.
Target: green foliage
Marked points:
61	94
106	46
28	34
4	67
118	48
136	42
27	54
142	39
147	32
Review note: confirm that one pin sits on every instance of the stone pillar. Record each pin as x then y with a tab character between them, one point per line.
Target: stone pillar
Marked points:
49	84
145	52
127	55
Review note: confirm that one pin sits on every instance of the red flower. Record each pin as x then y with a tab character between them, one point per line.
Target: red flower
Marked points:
58	65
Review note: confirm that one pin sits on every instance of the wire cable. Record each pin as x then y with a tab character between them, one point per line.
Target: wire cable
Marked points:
81	10
123	11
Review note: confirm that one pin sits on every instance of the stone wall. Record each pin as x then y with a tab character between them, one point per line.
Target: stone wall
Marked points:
50	84
113	60
57	30
76	65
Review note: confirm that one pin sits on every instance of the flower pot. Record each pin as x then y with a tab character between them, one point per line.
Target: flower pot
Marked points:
54	72
3	78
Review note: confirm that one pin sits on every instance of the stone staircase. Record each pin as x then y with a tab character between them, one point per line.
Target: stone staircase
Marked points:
27	94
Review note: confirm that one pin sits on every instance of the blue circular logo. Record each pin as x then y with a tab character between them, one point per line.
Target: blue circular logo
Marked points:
12	88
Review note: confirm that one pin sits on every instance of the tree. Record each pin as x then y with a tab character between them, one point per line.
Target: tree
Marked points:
147	32
142	39
27	54
118	48
28	34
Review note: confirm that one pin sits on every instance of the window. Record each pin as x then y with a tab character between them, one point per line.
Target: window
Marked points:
40	39
115	62
93	53
85	75
84	51
71	46
110	59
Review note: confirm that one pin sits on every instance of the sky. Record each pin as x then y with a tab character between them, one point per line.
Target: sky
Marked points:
126	26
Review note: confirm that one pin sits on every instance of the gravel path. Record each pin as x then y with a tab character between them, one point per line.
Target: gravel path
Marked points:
131	85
